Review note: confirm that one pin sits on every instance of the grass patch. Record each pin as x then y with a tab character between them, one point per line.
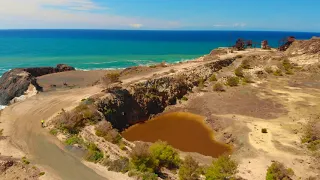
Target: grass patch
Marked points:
233	81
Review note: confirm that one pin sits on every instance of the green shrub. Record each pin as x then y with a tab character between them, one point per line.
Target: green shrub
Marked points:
141	159
94	154
119	165
223	168
104	129
74	140
264	130
277	171
218	87
184	98
239	72
245	64
1	132
233	81
113	77
213	78
42	173
189	169
278	72
143	175
53	132
166	155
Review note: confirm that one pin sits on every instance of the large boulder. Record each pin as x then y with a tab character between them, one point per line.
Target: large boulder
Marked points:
16	82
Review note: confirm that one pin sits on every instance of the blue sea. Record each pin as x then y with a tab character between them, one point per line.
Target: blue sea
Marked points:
102	49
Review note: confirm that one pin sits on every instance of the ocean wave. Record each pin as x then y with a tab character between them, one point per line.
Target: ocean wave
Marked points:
90	69
96	63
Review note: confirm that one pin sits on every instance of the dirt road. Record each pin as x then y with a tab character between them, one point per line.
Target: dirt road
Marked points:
40	146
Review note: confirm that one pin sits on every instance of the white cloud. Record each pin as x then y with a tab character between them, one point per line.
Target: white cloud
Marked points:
136	25
68	14
239	24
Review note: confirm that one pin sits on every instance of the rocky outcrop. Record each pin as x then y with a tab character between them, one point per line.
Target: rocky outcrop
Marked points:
14	83
310	47
126	106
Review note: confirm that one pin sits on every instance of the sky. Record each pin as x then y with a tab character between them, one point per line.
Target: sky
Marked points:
268	15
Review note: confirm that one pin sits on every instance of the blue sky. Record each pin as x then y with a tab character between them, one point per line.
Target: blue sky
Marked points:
283	15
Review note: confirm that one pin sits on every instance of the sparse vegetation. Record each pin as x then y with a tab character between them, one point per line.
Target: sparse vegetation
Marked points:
53	131
112	77
218	87
233	81
201	83
239	72
74	139
277	72
245	64
76	119
312	133
141	159
104	129
119	165
25	161
42	173
184	98
213	78
248	78
1	132
94	154
268	70
189	169
172	71
239	56
277	171
223	168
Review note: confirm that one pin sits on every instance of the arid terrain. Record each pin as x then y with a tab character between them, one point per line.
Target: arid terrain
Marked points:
277	92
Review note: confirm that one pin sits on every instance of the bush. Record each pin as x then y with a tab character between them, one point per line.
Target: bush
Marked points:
25	161
312	133
76	119
218	87
201	83
184	98
264	130
268	70
74	140
165	154
239	72
53	132
213	78
143	175
94	154
112	77
277	171
233	81
245	64
223	168
104	129
42	173
141	159
278	72
172	71
189	170
119	165
239	56
1	132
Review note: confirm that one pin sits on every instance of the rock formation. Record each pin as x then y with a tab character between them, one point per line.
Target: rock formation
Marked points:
14	83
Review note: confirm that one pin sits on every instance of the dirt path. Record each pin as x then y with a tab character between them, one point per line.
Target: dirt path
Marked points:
39	145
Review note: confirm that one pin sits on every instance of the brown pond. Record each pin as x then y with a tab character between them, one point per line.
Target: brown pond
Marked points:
184	131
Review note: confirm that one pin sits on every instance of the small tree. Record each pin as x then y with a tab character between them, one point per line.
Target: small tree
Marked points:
141	159
277	171
166	155
223	168
189	170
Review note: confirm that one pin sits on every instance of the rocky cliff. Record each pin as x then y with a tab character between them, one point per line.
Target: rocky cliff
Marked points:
14	83
126	106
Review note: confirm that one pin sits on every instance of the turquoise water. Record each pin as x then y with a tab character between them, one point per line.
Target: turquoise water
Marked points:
102	49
